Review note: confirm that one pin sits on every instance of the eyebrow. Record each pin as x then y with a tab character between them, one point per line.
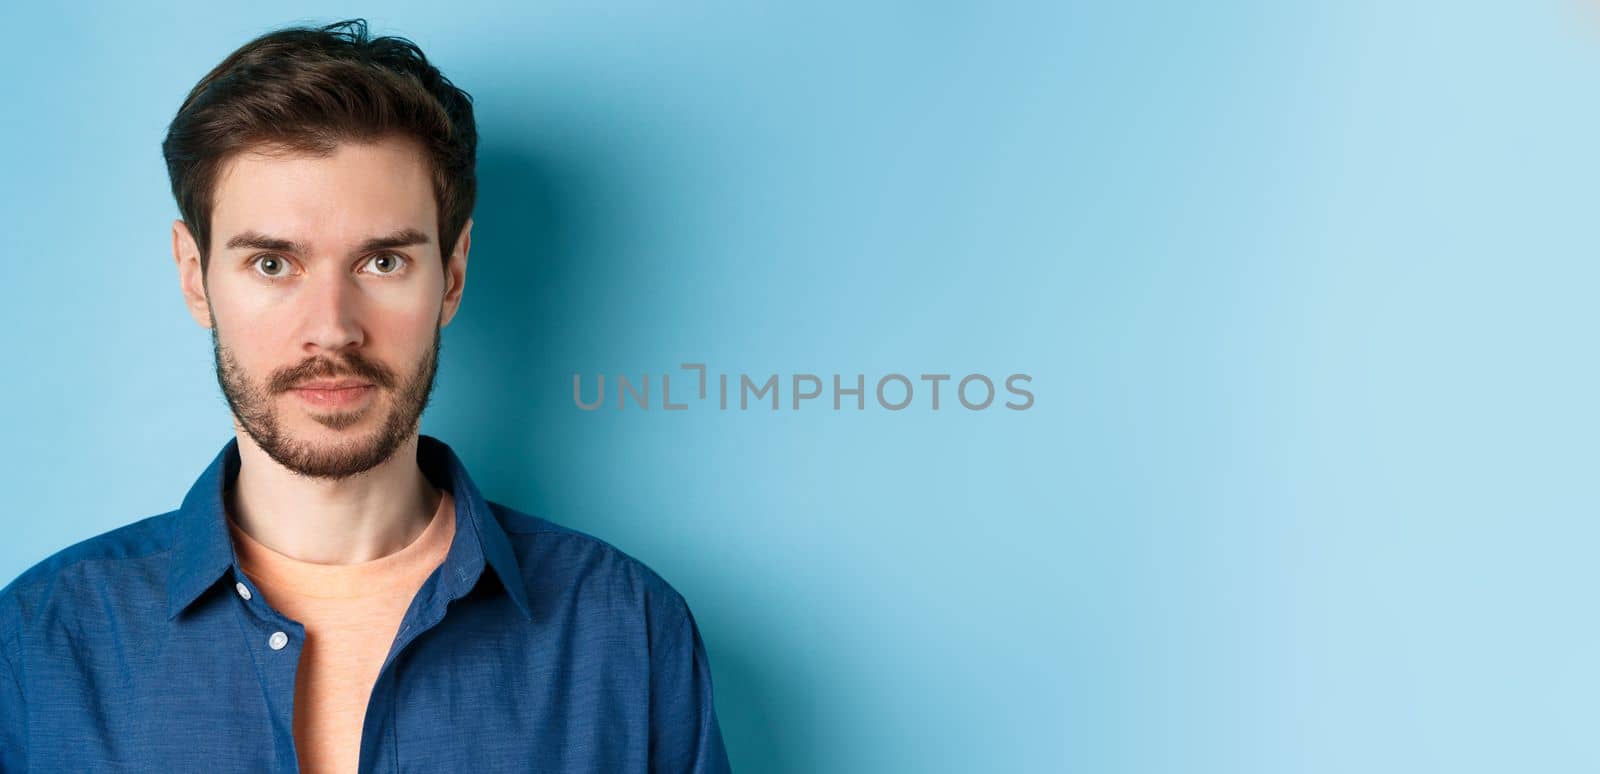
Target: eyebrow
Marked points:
257	241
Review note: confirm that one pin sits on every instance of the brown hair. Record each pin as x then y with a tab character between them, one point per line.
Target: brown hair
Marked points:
305	89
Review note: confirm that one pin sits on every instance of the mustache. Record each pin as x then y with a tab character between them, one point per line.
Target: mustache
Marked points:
354	366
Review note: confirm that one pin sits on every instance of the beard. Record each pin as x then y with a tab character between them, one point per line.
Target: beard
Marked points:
254	405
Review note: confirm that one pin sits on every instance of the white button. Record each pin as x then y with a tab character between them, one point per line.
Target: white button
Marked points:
278	640
243	592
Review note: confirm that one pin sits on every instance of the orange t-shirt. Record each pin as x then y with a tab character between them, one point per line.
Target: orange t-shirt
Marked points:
351	613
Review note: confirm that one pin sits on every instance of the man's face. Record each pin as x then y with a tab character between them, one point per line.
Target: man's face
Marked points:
325	272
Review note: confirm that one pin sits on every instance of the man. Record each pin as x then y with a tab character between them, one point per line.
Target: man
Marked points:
334	594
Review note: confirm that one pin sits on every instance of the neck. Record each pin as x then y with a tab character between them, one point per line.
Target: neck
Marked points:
357	519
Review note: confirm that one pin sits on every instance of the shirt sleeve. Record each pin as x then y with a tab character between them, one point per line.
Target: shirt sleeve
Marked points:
684	735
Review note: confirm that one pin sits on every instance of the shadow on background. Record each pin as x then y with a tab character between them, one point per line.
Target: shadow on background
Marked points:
532	309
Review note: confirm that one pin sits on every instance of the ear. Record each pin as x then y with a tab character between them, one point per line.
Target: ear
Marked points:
455	275
191	279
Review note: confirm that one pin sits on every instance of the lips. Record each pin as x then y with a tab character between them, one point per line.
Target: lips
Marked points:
333	384
349	395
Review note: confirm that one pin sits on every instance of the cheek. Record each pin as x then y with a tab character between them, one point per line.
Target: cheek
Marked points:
417	337
253	333
254	336
247	352
409	314
237	307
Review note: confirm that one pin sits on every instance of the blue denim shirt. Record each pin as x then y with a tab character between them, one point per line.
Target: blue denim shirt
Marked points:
533	647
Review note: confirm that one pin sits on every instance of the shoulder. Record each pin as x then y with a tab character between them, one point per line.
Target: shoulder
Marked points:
126	558
555	558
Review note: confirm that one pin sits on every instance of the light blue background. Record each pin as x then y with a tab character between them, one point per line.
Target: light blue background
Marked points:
1307	292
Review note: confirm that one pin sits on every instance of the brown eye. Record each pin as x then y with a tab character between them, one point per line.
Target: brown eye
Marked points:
272	266
388	263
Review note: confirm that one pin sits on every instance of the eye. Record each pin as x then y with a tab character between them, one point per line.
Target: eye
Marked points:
271	266
387	263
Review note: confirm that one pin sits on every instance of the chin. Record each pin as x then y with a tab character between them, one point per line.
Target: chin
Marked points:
314	428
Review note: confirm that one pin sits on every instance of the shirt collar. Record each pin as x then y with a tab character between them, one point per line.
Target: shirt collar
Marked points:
202	549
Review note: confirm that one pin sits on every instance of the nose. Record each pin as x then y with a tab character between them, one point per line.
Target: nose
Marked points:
330	318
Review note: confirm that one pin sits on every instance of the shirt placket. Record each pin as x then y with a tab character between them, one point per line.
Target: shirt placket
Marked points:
378	743
275	643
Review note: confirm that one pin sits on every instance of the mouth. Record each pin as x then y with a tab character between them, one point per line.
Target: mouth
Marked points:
335	395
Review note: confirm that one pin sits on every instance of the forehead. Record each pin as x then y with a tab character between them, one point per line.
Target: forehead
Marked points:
358	190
